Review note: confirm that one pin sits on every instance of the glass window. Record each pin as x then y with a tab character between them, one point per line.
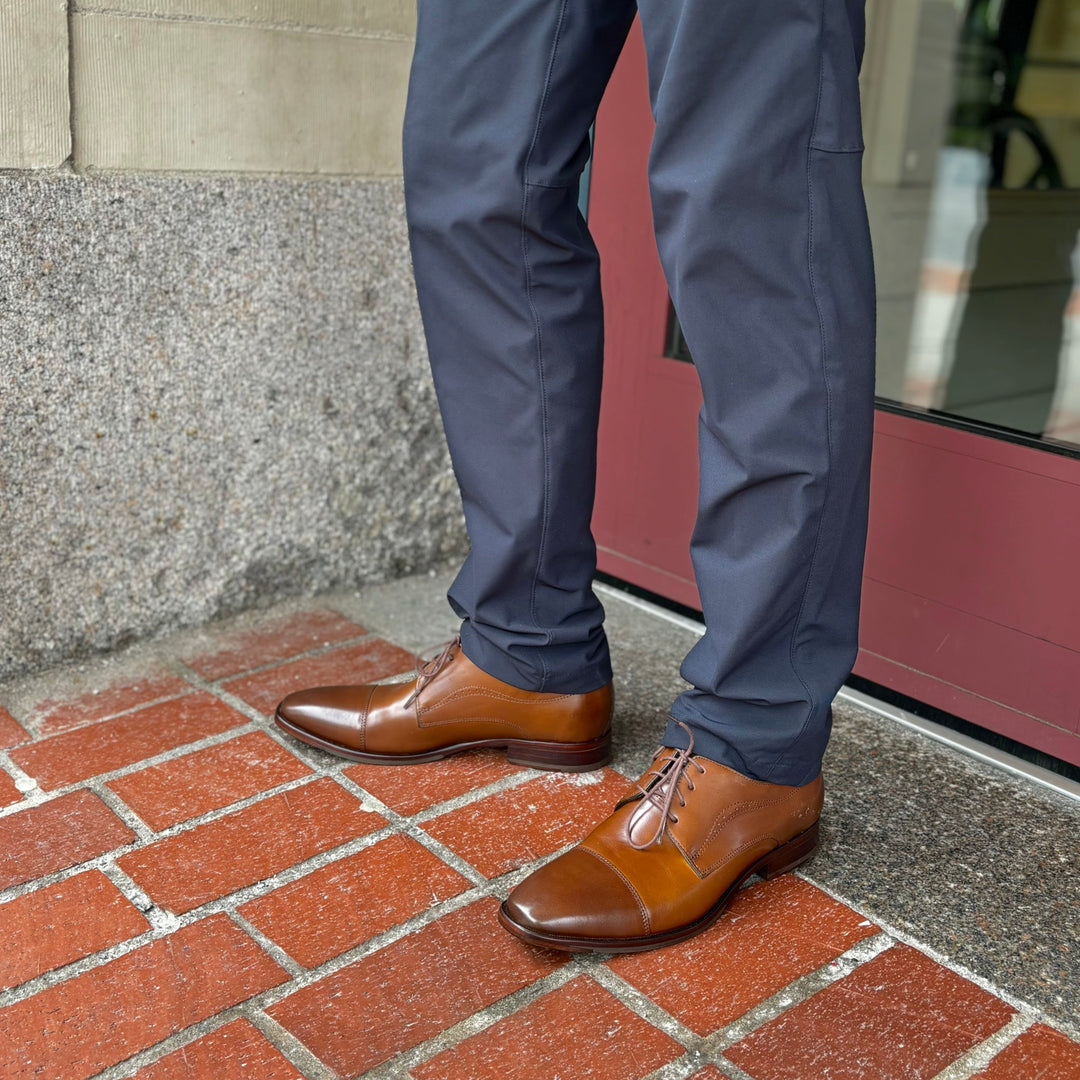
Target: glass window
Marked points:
971	112
972	117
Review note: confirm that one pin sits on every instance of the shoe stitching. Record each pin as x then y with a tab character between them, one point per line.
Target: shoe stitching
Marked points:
478	720
496	695
642	909
737	810
683	852
363	720
739	850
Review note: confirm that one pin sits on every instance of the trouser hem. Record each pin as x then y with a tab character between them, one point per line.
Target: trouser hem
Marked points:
528	671
716	748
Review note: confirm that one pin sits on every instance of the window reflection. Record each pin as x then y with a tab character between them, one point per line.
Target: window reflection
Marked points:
993	333
971	110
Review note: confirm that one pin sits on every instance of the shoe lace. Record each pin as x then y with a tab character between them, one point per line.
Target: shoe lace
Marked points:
667	772
426	670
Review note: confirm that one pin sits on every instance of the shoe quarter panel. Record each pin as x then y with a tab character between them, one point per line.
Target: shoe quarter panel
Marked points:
479	708
731	818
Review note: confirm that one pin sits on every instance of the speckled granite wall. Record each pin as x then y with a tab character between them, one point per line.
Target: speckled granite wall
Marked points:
214	393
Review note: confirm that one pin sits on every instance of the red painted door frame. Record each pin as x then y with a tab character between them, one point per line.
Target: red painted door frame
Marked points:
971	592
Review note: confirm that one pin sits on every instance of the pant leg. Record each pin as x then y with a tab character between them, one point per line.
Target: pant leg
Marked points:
499	105
755	181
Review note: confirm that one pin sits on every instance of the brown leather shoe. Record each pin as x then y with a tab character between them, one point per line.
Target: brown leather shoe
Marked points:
452	706
668	861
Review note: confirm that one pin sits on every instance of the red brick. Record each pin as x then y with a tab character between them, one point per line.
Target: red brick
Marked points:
51	716
61	833
9	793
206	780
276	639
412	989
1040	1053
375	659
237	1051
599	1038
11	733
187	870
513	827
124	740
411	788
710	1072
901	1016
368	893
46	929
83	1025
773	933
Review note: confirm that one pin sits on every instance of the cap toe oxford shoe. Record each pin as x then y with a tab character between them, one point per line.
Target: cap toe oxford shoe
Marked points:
669	859
451	705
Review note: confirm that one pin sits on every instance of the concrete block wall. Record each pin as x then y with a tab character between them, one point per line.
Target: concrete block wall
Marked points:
289	86
214	390
35	124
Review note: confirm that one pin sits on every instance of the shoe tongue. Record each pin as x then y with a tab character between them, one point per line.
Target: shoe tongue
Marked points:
655	776
660	772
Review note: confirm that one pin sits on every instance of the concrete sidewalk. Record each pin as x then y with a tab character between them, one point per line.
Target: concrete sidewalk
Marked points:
186	894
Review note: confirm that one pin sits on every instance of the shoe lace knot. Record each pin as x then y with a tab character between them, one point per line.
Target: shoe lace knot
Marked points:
661	786
427	669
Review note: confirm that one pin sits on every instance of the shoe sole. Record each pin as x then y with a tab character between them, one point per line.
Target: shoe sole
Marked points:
779	861
533	754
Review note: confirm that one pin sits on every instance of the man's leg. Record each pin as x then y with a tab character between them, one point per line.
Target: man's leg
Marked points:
755	174
500	101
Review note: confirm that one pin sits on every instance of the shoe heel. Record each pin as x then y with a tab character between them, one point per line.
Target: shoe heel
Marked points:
790	855
561	757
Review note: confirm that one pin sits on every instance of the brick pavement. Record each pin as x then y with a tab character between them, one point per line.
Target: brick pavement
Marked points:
187	895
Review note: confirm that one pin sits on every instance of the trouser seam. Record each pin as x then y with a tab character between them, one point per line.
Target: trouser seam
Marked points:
828	400
545	434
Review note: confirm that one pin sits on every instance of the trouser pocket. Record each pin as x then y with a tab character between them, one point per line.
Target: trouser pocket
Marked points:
838	126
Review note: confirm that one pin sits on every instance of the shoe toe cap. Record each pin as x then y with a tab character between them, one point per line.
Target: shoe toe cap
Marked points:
334	713
577	895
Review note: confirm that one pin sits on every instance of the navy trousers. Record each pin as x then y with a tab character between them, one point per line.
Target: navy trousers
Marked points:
758	209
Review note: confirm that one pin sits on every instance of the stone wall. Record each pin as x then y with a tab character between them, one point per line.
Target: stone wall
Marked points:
214	389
